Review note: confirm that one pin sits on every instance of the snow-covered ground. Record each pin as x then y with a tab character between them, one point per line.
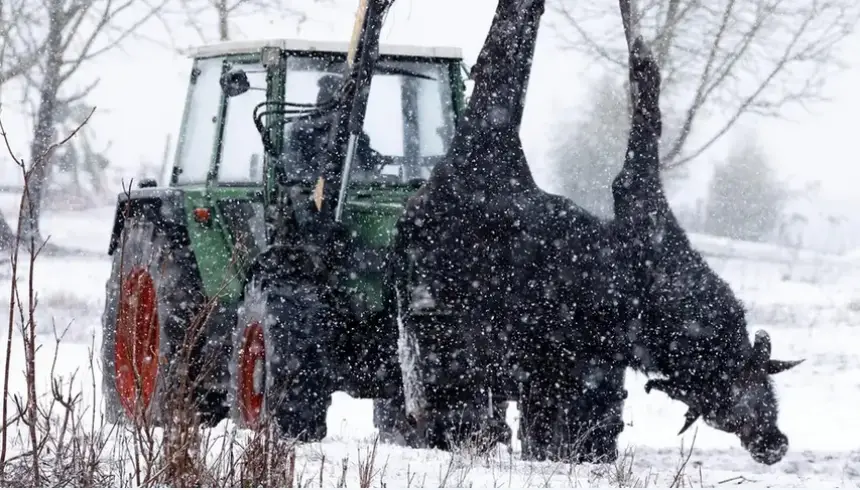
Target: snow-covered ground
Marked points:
810	315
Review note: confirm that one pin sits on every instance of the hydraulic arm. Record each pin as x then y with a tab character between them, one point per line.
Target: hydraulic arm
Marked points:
330	192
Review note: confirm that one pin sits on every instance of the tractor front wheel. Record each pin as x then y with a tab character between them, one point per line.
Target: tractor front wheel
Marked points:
280	371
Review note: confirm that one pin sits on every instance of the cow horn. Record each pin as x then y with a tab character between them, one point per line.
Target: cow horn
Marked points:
775	367
689	418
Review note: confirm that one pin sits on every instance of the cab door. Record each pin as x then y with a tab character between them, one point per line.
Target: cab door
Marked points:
236	181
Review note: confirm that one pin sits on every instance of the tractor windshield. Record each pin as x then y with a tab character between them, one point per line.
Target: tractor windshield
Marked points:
408	125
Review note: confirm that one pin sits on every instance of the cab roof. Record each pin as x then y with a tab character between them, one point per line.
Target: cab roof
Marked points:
247	47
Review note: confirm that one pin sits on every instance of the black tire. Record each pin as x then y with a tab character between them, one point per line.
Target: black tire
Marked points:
389	418
579	422
150	265
297	379
443	383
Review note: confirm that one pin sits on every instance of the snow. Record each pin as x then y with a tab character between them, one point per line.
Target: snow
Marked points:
809	314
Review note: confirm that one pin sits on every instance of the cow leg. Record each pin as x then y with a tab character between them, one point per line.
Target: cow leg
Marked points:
444	354
596	416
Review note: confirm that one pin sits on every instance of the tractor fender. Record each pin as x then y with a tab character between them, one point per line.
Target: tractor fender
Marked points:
165	207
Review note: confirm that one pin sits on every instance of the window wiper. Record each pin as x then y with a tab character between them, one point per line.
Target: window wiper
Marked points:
391	70
337	67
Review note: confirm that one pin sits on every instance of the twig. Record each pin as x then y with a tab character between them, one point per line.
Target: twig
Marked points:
676	481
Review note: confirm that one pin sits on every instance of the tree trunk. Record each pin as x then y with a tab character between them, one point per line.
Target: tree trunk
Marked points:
43	135
7	236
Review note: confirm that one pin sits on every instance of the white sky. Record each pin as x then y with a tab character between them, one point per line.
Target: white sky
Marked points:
142	88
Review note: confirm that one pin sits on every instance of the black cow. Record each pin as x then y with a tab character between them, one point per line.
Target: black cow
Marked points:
483	313
508	291
682	320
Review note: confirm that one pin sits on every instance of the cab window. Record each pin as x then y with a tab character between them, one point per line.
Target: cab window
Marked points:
198	136
241	159
408	125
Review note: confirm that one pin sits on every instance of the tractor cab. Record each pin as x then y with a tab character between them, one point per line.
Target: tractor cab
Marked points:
415	97
413	102
232	149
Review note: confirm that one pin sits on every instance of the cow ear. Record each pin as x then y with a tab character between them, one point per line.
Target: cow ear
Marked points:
775	367
761	349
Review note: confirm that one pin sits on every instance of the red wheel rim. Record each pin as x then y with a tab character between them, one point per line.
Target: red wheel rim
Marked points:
137	338
252	357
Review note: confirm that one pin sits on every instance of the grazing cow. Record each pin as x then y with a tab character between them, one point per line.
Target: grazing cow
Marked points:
682	320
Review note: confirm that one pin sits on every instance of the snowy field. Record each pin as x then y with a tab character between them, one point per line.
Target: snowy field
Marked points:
810	304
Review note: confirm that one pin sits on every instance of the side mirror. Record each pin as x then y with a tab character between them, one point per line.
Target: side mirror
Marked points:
147	182
234	82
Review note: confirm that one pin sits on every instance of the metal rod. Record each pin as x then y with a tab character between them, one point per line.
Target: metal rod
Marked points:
344	181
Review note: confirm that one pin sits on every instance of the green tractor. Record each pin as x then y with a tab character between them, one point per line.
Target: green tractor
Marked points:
261	265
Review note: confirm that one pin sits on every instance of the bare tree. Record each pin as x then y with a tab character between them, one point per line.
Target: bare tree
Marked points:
723	58
73	33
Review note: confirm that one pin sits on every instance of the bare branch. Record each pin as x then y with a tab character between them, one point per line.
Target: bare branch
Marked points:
17	59
108	15
592	44
71	134
720	58
80	95
699	98
748	102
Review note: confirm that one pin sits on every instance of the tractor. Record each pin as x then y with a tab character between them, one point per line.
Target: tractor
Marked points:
260	263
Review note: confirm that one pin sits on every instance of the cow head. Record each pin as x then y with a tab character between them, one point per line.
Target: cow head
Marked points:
741	401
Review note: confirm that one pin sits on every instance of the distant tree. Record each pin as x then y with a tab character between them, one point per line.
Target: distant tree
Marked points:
76	171
746	199
589	147
74	33
719	58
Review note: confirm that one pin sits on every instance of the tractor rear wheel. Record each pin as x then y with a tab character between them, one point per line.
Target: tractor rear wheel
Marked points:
280	371
151	299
